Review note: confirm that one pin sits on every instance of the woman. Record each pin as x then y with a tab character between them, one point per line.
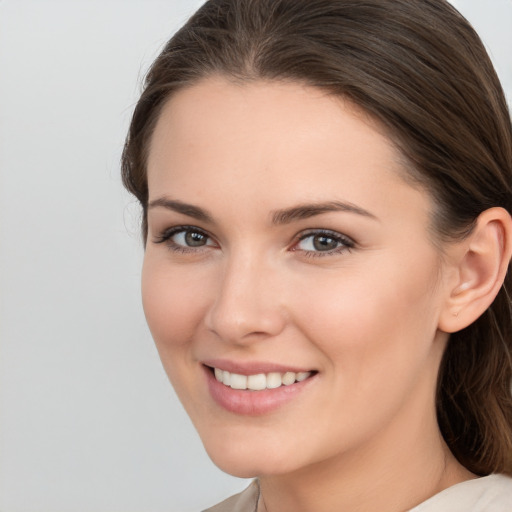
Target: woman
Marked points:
326	188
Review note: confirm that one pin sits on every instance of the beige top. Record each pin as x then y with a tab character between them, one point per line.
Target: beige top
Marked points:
491	493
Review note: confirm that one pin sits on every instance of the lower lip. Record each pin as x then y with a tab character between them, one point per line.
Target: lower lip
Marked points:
253	403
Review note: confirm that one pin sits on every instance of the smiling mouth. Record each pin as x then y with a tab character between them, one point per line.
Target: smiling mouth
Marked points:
259	381
256	388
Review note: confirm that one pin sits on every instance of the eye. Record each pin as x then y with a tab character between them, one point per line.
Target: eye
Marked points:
190	238
185	238
323	243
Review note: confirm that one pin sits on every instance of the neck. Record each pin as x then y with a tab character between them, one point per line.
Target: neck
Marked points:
383	475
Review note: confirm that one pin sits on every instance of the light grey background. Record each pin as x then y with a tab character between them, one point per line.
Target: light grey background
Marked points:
88	421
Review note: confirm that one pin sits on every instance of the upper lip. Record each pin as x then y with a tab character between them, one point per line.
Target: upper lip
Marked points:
252	367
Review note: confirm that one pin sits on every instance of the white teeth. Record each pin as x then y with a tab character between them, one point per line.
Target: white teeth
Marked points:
259	381
302	376
274	380
238	381
288	378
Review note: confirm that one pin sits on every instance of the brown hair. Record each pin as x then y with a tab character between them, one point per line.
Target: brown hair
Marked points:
418	68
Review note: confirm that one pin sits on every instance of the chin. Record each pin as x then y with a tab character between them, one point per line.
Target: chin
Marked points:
249	459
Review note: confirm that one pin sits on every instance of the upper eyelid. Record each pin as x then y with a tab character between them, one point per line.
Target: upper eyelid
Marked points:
313	231
322	231
184	227
167	233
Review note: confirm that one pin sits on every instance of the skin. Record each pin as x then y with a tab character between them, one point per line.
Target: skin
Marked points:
363	434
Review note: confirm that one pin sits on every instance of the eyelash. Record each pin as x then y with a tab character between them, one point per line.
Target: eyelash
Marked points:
166	237
346	243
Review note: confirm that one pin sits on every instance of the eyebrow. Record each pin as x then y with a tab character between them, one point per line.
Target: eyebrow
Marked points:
306	211
279	217
184	208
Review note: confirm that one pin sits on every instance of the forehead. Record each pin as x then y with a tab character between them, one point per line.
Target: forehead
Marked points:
282	142
217	106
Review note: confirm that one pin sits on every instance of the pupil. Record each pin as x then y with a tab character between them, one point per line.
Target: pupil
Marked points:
324	243
194	239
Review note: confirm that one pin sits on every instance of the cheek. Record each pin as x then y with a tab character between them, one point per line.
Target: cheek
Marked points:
172	301
375	320
173	305
376	339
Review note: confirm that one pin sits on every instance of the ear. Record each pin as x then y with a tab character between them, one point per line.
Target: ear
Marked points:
480	263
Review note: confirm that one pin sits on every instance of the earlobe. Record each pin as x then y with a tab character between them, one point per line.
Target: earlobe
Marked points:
481	265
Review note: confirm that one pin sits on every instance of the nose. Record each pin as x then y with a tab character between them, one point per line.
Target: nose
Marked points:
248	305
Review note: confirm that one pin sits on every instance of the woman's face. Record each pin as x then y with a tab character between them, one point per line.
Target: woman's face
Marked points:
286	252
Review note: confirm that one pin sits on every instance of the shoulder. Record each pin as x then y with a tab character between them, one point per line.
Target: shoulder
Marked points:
246	501
491	493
